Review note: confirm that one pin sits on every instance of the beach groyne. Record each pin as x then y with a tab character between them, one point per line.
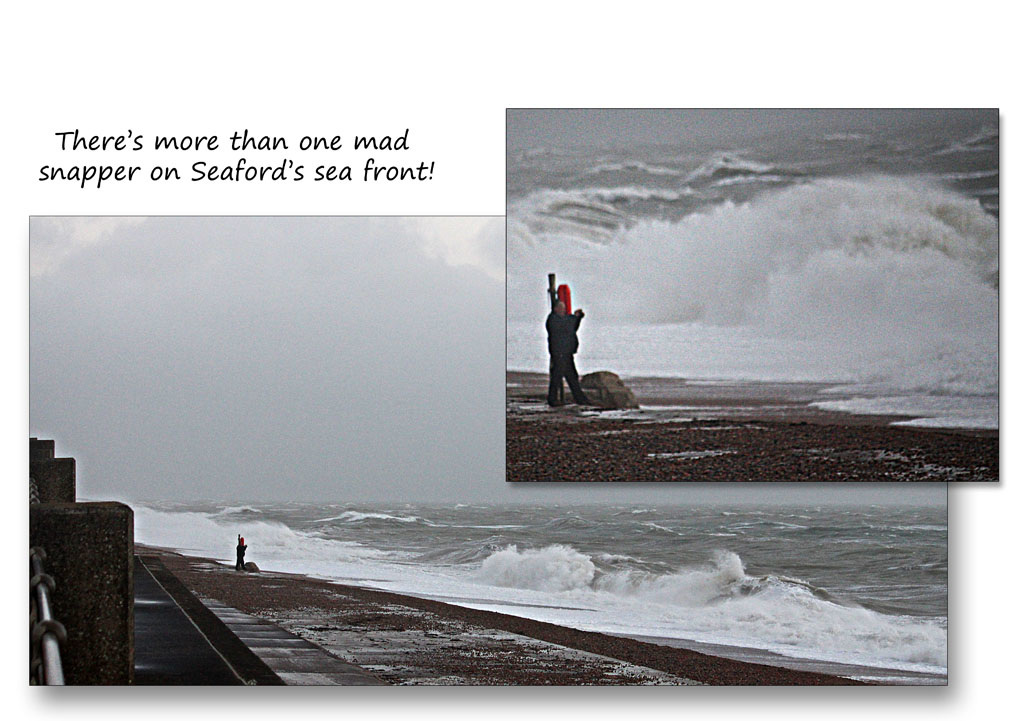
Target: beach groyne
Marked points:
89	555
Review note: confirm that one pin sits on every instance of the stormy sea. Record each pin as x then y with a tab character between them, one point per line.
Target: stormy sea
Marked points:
859	591
863	257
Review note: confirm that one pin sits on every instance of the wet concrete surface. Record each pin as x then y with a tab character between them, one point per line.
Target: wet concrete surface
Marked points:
181	639
169	648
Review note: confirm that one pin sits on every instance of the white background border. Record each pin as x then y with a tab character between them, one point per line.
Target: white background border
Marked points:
448	71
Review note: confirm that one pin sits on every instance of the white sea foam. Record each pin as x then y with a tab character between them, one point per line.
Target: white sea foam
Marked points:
659	527
760	261
576	207
717	602
616	167
729	163
882	280
979	142
970	175
942	411
270	542
235	510
842	137
553	568
356	516
610	195
747	179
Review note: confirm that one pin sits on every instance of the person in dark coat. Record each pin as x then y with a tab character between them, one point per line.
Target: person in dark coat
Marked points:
562	345
240	554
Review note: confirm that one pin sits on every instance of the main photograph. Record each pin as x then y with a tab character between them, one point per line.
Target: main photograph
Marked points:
752	295
287	433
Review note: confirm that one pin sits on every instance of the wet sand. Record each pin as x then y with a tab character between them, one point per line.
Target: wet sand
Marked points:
729	432
410	640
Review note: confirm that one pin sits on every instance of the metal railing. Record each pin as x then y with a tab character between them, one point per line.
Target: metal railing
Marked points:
46	633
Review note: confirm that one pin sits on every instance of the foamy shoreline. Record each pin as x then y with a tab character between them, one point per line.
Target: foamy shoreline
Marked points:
375	628
731	433
665	398
700	578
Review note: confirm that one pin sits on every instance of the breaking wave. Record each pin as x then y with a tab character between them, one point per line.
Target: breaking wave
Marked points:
630	580
730	165
552	568
357	516
238	510
719	602
612	167
893	275
982	141
214	535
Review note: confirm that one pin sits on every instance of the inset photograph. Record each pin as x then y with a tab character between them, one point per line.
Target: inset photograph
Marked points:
752	295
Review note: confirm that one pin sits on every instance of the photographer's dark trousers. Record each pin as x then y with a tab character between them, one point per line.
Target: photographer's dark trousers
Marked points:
240	562
563	366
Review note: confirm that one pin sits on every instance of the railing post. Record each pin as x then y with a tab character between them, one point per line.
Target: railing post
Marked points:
47	634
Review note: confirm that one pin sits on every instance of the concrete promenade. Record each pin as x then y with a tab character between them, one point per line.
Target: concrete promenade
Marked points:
181	640
296	661
169	648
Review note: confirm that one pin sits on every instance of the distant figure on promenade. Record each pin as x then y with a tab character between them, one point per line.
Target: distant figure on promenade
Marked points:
240	554
562	344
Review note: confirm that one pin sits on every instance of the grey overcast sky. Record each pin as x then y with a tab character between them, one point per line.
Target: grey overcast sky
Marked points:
307	359
554	128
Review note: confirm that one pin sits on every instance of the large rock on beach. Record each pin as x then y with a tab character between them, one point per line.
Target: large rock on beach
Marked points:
606	389
251	567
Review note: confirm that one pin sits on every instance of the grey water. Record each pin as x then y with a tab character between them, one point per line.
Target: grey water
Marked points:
847	586
669	179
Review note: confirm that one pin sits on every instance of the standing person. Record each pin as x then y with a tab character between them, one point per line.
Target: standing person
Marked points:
240	554
562	344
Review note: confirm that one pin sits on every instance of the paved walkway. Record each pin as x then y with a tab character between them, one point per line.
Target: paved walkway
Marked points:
181	640
295	660
169	648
